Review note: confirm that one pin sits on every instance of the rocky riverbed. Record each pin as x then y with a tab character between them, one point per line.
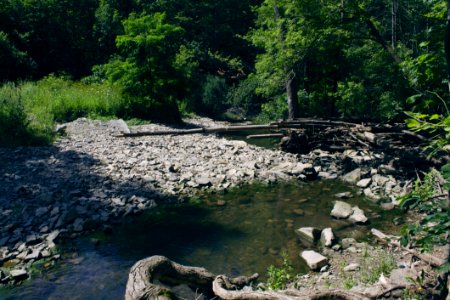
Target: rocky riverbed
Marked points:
90	179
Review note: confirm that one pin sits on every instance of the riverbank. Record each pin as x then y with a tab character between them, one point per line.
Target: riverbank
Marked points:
90	180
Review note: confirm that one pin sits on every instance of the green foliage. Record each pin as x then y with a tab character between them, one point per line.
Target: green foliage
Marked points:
16	127
273	110
28	111
14	63
215	90
145	71
436	124
426	196
279	277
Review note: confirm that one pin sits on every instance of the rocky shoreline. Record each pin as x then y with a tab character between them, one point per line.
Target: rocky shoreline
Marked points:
90	179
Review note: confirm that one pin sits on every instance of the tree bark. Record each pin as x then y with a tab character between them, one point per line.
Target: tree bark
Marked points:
291	80
292	96
447	43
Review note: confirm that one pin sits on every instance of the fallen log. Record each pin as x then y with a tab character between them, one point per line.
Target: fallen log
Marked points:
142	276
265	136
147	276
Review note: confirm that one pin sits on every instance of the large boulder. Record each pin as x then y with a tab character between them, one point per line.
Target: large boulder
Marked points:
341	210
314	260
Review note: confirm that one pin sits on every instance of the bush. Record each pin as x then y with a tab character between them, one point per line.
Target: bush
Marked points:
16	127
214	95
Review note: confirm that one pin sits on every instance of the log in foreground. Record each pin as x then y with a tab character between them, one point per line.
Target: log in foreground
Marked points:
151	278
143	275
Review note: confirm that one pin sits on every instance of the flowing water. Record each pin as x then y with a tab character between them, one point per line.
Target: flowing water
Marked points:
239	232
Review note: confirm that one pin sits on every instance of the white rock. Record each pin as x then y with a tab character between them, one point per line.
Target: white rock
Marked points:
341	210
353	176
308	234
358	216
314	260
327	237
363	183
18	274
352	267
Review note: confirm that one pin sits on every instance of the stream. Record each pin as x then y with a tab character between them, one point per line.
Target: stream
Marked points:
239	232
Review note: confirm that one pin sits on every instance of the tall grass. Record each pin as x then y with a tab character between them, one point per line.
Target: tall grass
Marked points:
29	110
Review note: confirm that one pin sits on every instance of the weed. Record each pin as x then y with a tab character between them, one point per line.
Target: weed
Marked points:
279	277
372	266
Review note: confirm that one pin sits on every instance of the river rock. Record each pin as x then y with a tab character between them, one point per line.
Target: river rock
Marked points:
358	216
341	210
344	195
53	236
363	183
314	260
327	237
352	267
308	234
353	176
203	181
18	274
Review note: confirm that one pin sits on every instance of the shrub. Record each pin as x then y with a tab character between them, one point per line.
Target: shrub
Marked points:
214	94
16	127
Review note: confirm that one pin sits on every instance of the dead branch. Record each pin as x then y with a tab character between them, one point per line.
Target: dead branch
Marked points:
265	136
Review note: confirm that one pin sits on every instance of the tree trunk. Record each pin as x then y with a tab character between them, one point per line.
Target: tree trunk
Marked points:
292	97
447	43
291	81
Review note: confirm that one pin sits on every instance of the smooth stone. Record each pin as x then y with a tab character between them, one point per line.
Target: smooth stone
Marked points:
327	237
341	210
353	176
308	234
363	183
352	267
299	212
53	236
18	274
314	260
358	216
344	195
203	181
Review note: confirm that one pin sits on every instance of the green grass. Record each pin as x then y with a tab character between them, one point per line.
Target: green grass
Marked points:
29	110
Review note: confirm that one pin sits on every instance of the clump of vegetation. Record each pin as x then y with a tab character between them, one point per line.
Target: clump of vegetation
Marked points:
17	127
430	191
373	263
29	110
280	277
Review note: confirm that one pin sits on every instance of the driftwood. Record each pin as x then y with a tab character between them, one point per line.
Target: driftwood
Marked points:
147	277
143	275
393	240
265	136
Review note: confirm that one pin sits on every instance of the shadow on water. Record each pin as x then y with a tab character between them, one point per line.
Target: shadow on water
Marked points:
237	233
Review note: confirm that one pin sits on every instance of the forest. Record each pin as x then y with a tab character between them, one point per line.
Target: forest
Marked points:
264	60
368	64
